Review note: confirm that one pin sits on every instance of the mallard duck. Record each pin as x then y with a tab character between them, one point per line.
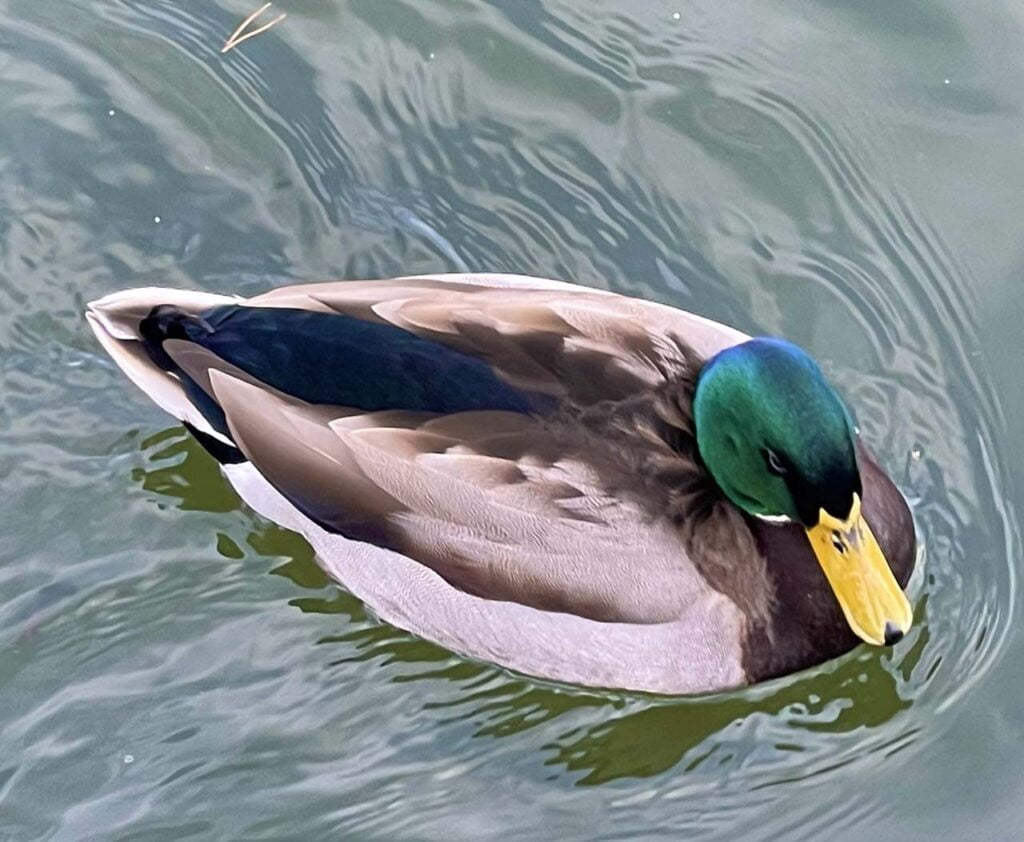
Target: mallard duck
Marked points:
574	484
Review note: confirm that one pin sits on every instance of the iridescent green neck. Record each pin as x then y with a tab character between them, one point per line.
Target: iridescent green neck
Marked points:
774	434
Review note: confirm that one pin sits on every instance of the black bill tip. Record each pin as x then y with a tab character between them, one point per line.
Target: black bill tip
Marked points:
893	635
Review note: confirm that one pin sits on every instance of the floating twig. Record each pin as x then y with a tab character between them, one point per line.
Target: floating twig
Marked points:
237	37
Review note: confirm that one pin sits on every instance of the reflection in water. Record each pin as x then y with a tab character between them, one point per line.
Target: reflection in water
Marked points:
783	730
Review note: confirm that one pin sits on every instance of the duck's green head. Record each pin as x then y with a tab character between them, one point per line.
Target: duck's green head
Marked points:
779	442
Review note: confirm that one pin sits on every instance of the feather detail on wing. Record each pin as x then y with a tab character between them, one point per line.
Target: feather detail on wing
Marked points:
478	497
561	340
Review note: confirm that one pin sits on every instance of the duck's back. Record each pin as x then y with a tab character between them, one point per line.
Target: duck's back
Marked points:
485	460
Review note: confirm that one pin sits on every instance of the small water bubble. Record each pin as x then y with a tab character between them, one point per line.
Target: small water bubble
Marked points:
129	758
676	16
156	219
945	81
431	56
111	112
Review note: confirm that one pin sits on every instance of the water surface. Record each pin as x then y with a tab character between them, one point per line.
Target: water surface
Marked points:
847	175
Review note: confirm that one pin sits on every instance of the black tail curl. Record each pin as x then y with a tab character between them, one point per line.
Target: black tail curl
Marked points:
166	321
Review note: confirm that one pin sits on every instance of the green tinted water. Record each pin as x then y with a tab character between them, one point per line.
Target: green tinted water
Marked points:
845	174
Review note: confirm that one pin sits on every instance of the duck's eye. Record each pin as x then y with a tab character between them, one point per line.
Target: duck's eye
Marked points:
774	463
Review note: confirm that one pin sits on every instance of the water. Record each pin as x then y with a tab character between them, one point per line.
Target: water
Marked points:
845	174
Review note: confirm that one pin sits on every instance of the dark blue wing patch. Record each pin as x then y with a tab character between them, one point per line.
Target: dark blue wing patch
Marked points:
330	358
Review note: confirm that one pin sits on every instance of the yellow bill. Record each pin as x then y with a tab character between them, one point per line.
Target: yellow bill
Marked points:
871	599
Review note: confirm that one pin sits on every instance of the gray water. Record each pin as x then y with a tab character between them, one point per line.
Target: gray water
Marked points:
847	174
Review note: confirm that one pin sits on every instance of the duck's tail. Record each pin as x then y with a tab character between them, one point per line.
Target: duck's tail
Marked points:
132	327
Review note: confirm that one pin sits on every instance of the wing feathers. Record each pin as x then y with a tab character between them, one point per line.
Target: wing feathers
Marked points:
513	526
300	455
